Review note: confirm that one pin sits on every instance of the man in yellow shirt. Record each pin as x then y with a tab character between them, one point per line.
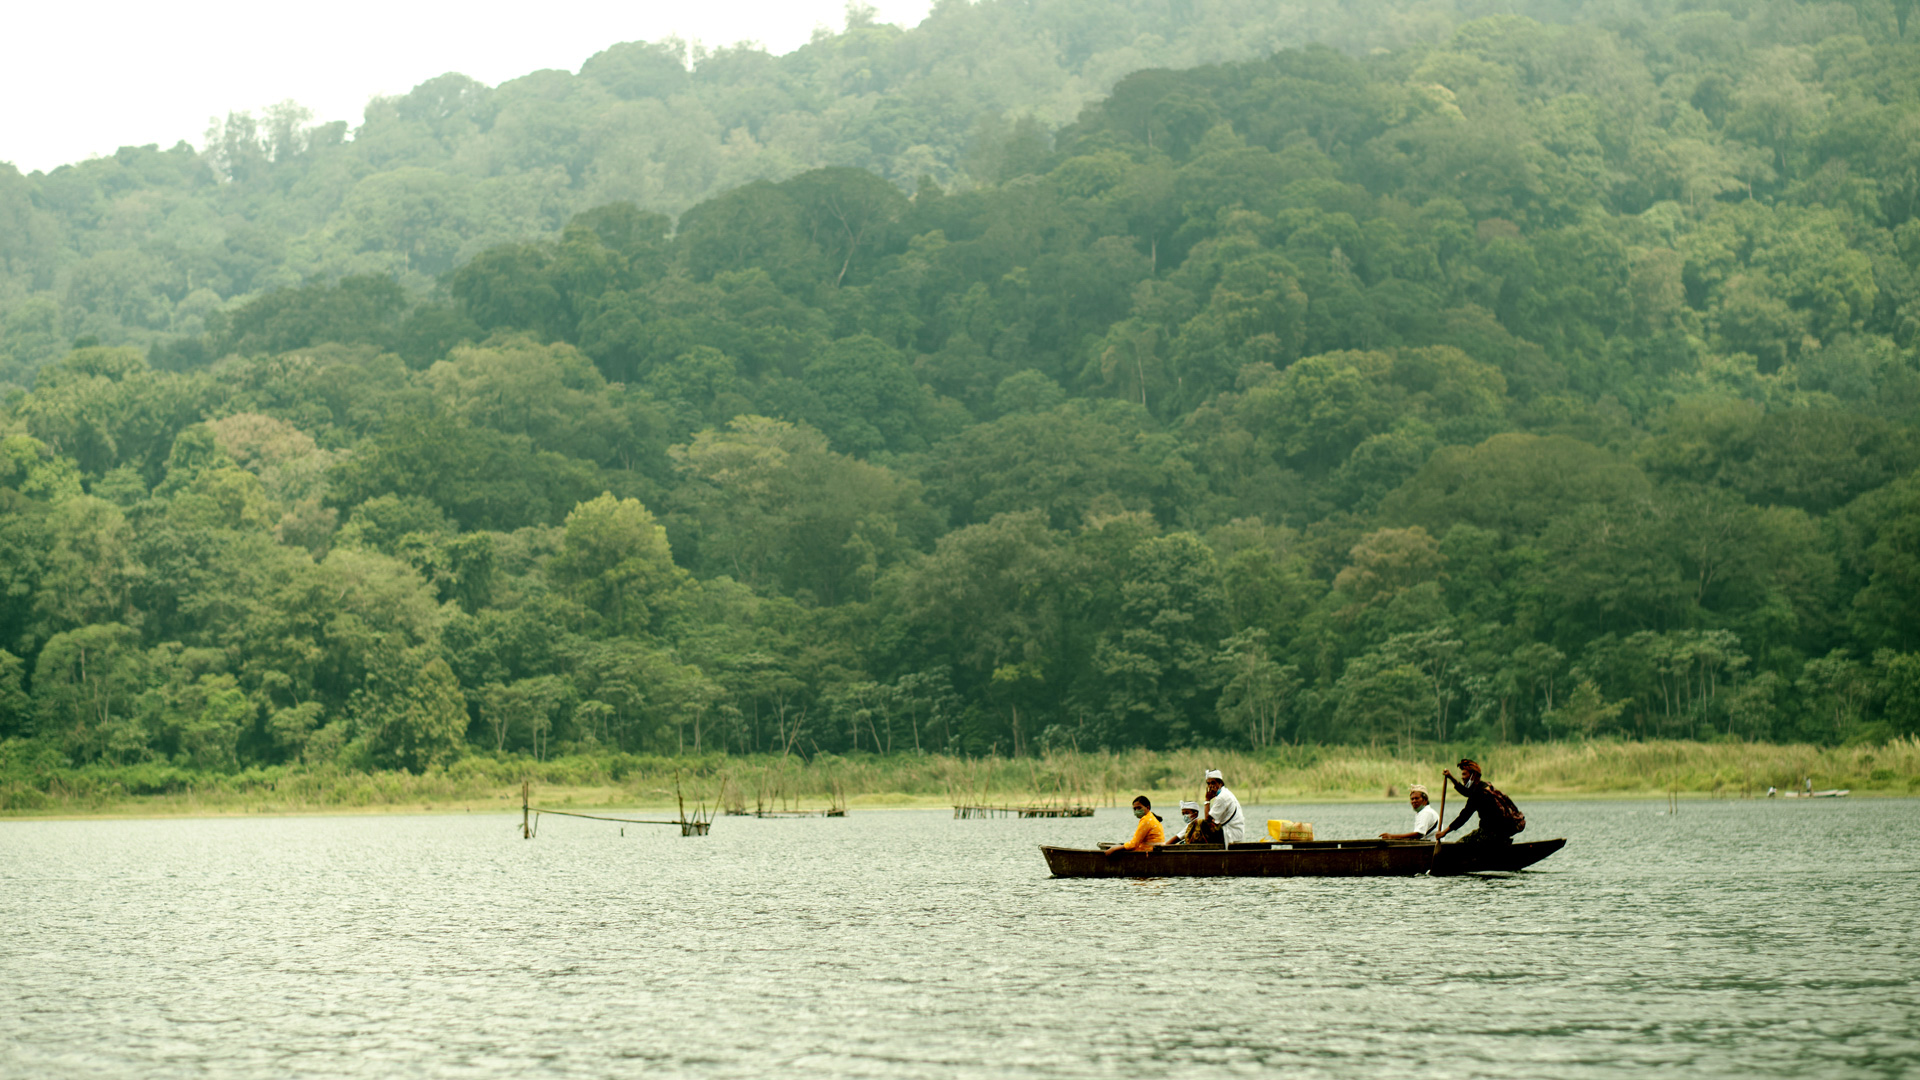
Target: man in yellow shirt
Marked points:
1146	834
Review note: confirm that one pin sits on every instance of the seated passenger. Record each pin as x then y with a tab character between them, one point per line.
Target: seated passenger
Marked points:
1146	834
1425	817
1190	833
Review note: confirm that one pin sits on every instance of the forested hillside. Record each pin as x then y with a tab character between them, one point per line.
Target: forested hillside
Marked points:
148	245
1543	381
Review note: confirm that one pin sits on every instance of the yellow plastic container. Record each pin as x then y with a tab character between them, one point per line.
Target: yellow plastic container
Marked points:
1287	832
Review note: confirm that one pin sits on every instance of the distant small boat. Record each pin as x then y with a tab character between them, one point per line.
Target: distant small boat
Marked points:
1316	858
1830	793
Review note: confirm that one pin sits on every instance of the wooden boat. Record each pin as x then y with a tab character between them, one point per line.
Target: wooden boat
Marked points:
1314	858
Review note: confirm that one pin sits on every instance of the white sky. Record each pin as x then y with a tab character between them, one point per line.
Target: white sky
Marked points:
83	79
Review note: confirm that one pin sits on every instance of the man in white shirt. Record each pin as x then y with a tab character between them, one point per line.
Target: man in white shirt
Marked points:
1425	817
1223	809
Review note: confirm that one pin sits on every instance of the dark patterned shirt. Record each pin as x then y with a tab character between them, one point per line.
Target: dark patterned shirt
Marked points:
1480	800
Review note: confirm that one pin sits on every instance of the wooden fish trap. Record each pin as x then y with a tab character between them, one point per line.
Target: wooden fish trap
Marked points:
985	811
697	825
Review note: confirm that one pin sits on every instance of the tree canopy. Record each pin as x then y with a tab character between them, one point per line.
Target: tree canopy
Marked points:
1494	379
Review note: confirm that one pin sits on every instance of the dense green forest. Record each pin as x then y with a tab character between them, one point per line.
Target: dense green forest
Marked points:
149	245
1529	378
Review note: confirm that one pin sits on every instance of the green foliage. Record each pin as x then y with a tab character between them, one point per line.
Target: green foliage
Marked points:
357	310
410	714
1256	691
1585	714
1881	545
16	708
1079	460
1381	695
156	247
1155	654
615	560
85	683
776	507
1504	380
480	477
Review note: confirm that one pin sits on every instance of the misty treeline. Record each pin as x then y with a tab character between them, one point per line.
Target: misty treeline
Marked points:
149	245
1535	382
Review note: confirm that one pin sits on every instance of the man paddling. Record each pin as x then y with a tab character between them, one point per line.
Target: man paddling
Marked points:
1224	810
1146	834
1499	818
1425	818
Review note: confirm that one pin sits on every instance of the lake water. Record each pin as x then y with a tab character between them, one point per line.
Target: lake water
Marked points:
1747	939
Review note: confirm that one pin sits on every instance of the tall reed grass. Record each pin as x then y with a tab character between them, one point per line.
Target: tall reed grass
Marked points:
1728	770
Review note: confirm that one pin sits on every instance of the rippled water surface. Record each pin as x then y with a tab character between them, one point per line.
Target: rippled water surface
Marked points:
1736	938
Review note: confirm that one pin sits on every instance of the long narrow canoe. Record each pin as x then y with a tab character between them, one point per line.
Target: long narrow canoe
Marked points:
1316	858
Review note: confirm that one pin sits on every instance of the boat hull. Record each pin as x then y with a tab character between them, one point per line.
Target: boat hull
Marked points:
1323	858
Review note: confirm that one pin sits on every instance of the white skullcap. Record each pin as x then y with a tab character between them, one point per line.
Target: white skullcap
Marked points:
1193	806
1214	774
1419	788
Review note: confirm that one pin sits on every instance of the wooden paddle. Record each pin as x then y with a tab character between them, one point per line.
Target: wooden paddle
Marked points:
1441	827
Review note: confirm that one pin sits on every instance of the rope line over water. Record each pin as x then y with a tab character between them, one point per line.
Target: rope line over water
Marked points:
697	825
597	817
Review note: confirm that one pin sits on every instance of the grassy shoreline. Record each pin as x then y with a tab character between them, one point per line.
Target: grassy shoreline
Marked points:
1288	774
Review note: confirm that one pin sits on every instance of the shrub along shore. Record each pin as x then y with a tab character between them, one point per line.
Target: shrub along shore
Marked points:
1297	773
